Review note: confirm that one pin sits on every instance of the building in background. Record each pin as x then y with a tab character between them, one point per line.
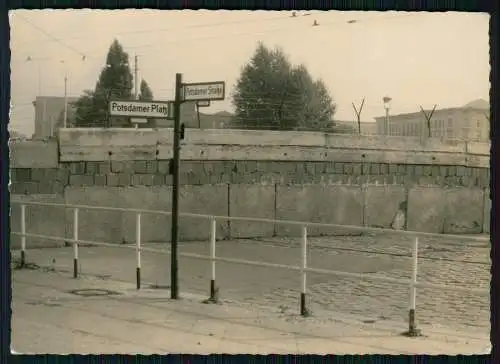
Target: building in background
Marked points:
470	122
48	111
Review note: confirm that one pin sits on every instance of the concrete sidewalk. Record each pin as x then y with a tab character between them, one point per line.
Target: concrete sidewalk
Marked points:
48	318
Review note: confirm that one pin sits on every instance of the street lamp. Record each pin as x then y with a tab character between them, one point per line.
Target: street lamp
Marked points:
65	119
387	105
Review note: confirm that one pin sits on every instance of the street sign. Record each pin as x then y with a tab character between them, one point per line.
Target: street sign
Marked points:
204	91
203	103
140	109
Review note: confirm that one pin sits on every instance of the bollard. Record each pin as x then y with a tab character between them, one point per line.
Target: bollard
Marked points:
75	242
412	325
303	274
213	230
138	250
23	236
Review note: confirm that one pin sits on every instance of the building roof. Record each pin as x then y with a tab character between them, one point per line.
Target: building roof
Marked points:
478	104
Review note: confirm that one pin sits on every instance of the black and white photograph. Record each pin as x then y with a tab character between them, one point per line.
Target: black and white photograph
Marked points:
249	182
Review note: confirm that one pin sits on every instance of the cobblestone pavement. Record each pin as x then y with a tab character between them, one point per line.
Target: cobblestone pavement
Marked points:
53	313
440	261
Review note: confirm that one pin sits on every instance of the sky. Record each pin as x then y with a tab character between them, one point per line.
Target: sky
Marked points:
418	59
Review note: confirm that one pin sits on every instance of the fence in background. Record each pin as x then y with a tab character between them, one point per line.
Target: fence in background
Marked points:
302	270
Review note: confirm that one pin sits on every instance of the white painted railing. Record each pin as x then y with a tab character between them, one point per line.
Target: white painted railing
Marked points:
303	269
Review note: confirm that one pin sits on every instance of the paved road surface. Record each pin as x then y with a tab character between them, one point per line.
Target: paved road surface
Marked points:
376	301
47	318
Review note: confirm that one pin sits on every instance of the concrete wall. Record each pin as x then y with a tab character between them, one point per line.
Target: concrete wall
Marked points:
294	176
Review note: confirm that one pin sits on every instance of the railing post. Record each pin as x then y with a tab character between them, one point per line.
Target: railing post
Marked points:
75	242
138	250
23	236
412	325
303	288
213	231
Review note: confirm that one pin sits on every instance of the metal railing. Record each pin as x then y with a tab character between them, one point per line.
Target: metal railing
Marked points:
303	269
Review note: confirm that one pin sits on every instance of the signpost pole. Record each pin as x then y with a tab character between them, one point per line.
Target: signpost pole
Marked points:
174	278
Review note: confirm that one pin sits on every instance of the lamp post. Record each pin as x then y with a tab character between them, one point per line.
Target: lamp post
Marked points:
65	119
387	105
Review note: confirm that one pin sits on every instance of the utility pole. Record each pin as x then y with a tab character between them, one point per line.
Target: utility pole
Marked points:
136	70
136	80
65	101
174	288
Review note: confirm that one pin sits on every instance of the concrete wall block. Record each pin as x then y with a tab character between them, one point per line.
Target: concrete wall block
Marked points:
63	176
210	200
374	168
20	174
122	166
348	169
384	168
356	169
41	220
168	180
419	170
100	180
208	167
24	188
461	171
339	167
96	225
81	180
158	179
382	203
452	171
250	166
464	210
426	209
112	179
76	167
38	174
329	167
91	167
427	171
248	200
365	168
50	188
104	167
317	203
124	179
163	167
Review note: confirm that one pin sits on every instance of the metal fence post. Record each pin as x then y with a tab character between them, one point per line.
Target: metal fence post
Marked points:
23	236
75	242
412	325
303	309
213	232
138	249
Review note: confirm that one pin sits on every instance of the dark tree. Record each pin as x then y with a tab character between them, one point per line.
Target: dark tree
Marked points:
272	94
114	83
146	93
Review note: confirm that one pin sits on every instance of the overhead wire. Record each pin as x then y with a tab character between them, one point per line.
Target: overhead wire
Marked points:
95	53
177	28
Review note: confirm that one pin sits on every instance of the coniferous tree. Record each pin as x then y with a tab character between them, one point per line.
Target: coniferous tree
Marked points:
272	94
115	83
